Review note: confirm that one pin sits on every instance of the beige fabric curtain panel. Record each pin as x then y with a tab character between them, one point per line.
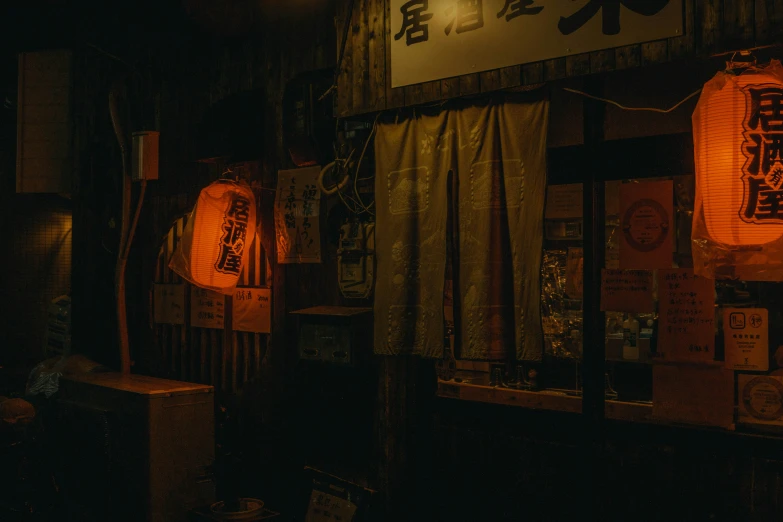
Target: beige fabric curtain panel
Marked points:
497	152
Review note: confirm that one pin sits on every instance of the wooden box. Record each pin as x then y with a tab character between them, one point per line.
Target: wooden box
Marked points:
161	441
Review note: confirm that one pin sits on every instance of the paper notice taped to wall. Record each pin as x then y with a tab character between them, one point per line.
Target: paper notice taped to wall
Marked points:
627	291
297	216
686	306
646	225
207	309
746	338
169	303
564	201
252	310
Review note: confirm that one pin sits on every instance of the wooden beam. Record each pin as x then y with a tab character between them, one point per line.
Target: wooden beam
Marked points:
395	96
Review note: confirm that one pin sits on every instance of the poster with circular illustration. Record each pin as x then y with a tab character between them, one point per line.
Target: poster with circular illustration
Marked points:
760	399
646	221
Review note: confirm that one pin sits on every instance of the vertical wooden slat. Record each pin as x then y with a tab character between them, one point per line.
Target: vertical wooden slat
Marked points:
469	84
682	46
578	65
204	374
160	329
510	76
628	56
247	343
709	17
358	35
259	281
768	21
602	61
430	92
376	10
345	85
655	52
214	356
533	73
395	96
232	363
449	88
413	94
169	277
738	24
180	330
489	80
221	358
555	69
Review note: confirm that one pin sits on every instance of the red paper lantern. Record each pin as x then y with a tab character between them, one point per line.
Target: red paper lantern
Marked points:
738	146
214	247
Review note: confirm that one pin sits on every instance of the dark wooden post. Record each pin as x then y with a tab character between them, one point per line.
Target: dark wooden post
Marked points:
594	364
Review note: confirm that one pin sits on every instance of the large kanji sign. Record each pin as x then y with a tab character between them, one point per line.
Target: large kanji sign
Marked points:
433	39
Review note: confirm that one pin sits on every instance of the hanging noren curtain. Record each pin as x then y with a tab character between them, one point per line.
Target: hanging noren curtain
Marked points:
497	152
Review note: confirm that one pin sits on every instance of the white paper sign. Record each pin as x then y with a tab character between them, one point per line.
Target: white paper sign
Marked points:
252	310
564	201
746	337
169	303
434	39
297	211
207	308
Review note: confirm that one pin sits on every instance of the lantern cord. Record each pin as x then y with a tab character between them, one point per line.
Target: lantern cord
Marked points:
625	108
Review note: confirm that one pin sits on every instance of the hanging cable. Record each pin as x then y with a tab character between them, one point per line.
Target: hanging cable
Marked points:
359	165
626	108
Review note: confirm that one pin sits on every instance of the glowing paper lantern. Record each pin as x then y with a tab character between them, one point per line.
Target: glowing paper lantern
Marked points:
738	142
215	244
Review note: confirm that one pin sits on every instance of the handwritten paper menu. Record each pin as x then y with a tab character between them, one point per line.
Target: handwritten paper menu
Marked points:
686	311
207	309
252	310
297	211
626	290
168	303
564	201
746	338
646	223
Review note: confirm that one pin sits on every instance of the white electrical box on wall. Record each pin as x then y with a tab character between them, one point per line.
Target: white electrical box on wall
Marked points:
144	161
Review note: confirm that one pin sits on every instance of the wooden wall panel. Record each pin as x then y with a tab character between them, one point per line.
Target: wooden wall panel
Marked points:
44	161
225	359
376	19
768	19
710	26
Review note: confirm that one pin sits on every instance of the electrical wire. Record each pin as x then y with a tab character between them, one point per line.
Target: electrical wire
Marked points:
743	52
626	108
359	165
357	205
